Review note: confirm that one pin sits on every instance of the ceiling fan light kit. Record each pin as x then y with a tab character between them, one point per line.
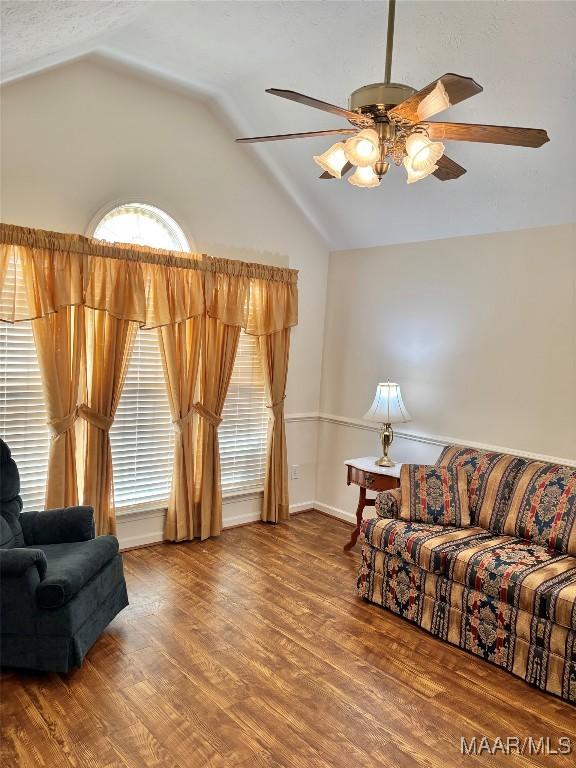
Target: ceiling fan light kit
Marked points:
391	126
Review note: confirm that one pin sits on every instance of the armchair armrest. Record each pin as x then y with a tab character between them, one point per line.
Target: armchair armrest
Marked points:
388	503
58	526
22	570
16	561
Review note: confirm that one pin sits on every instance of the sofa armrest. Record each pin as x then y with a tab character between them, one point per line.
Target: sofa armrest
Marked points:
388	503
16	561
58	526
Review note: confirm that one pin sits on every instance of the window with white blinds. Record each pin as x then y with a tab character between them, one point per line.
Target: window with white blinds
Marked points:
142	434
22	410
244	429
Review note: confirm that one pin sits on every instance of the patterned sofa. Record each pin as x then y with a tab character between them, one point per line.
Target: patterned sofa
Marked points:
503	588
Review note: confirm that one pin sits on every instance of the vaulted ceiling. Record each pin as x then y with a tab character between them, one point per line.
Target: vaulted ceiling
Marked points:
522	53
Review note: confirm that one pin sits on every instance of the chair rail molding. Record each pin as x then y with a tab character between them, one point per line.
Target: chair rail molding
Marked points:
421	437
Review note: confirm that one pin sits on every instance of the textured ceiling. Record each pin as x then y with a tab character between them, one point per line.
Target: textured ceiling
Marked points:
522	53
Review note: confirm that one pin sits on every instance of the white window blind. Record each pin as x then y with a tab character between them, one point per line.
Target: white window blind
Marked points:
244	429
142	434
22	410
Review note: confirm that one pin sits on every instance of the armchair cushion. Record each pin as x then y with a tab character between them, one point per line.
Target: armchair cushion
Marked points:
17	560
58	526
71	566
10	529
10	501
435	495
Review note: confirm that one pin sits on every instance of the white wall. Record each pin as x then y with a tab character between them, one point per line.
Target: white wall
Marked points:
479	331
83	135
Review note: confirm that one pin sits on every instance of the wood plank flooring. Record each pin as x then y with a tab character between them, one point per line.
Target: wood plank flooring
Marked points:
252	651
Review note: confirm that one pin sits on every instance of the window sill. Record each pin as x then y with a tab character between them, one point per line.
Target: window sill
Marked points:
152	509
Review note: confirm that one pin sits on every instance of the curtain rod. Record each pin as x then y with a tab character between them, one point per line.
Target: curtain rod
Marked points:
12	234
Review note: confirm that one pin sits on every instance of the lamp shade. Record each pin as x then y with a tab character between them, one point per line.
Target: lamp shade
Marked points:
363	149
364	177
333	160
416	175
387	407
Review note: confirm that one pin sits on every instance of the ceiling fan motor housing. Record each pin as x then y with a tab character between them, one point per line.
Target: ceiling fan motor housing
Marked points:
377	98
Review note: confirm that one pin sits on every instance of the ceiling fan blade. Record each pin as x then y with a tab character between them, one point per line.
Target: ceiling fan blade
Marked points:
448	169
356	117
448	90
490	134
282	136
348	167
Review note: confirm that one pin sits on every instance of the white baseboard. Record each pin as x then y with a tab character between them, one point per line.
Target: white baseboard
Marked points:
141	530
139	540
349	517
302	506
340	514
242	519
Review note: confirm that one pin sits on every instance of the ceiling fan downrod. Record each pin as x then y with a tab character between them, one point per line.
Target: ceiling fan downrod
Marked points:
389	40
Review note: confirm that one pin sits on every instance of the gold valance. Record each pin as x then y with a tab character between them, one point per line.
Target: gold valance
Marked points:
41	272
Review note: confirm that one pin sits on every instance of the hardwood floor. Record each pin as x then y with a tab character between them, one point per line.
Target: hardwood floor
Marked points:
252	650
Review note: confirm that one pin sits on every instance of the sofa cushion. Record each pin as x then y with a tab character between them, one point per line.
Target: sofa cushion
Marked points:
543	507
387	503
520	573
71	566
423	544
437	495
491	480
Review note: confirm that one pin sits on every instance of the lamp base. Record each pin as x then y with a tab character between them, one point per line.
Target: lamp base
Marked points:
386	436
385	461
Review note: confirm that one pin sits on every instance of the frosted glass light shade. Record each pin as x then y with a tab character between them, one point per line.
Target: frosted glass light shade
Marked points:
333	160
387	407
363	149
422	152
364	177
416	175
436	101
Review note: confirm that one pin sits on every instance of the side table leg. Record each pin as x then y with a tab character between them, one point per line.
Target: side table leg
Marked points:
359	511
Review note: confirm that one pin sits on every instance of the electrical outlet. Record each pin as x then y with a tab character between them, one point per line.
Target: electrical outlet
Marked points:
295	472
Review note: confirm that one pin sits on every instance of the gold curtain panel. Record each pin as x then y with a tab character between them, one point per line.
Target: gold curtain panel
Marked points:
86	299
148	286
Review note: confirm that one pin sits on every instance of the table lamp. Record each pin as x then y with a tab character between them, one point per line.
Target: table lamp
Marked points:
388	409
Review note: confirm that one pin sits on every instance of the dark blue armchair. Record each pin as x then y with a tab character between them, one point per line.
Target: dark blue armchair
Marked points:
59	585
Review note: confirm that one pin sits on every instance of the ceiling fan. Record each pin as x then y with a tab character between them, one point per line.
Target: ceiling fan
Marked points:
391	124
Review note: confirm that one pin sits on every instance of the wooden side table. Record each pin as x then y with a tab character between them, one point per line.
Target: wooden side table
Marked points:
369	476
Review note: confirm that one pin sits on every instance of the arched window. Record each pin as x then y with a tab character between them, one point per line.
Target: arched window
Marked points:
141	224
